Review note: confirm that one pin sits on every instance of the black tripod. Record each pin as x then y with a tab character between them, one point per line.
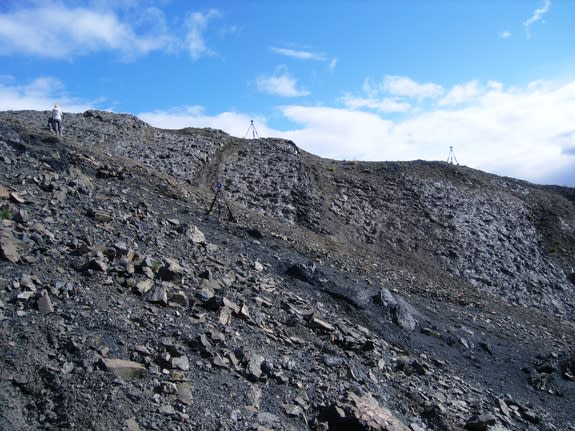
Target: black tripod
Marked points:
451	158
252	128
220	200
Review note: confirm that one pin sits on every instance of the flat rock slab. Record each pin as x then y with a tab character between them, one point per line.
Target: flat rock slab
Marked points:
124	368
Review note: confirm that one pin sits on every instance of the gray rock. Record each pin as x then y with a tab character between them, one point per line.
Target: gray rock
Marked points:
124	368
205	294
195	235
132	425
45	304
10	248
178	298
481	422
401	313
171	271
254	366
181	363
159	295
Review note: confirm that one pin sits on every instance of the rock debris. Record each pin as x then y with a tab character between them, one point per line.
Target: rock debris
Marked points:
346	296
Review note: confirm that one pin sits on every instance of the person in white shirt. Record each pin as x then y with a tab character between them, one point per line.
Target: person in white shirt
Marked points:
57	119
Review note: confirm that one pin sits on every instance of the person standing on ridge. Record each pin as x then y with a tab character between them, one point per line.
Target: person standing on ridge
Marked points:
57	119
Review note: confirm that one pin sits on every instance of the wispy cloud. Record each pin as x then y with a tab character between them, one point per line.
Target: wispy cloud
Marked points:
197	24
333	64
392	94
385	105
505	34
402	86
301	55
281	83
536	16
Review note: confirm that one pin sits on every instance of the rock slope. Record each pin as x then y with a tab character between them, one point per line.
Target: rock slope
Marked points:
346	295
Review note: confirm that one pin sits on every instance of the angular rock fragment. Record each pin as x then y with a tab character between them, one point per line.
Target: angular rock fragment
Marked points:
321	324
205	294
178	298
124	368
132	425
220	362
45	304
231	305
195	235
184	391
181	363
171	271
10	249
225	315
481	422
97	264
4	194
16	199
373	416
159	295
402	313
254	366
144	286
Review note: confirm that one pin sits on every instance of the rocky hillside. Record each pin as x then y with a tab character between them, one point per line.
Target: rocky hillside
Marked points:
342	295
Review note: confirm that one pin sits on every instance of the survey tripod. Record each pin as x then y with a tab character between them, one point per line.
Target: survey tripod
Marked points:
253	131
451	158
220	201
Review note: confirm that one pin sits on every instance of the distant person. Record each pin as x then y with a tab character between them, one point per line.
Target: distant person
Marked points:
57	120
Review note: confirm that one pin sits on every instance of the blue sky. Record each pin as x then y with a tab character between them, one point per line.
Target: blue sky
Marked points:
345	79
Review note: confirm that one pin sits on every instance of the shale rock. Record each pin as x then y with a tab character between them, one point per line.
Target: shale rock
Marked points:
346	295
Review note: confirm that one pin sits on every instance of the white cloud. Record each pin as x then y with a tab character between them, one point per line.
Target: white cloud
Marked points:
339	133
233	123
505	34
281	83
402	86
566	141
54	30
494	85
523	132
39	95
536	16
513	132
301	55
197	24
385	105
333	64
461	94
519	132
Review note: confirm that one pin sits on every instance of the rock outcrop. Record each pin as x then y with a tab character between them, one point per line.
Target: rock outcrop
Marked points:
347	295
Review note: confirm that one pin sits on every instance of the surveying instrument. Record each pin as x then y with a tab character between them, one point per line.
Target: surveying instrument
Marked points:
451	158
221	202
252	129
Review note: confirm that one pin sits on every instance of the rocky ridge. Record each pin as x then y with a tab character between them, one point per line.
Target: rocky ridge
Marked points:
373	296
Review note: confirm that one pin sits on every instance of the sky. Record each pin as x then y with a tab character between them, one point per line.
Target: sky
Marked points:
373	80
